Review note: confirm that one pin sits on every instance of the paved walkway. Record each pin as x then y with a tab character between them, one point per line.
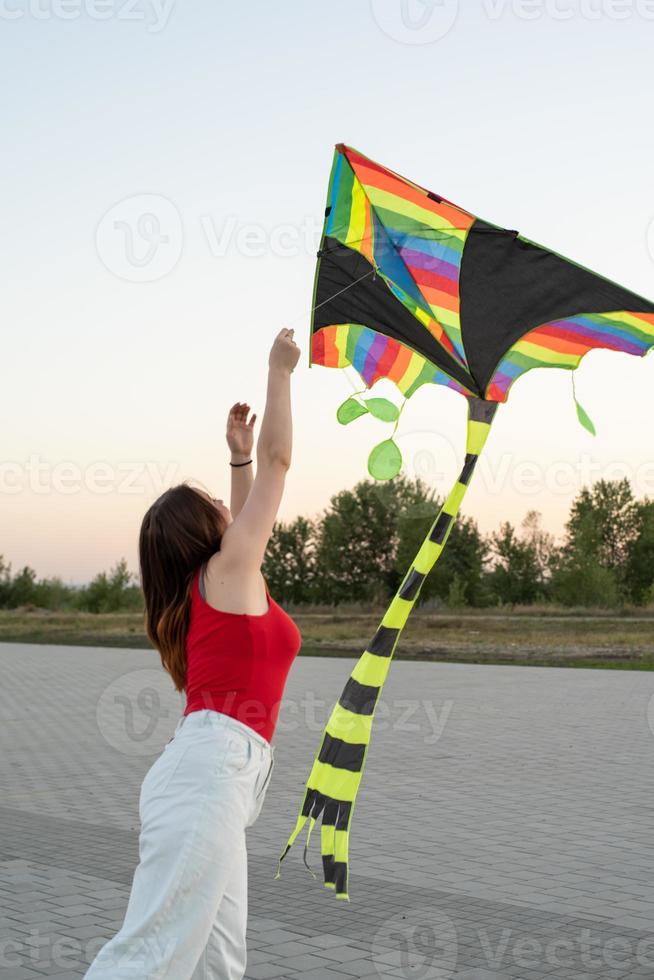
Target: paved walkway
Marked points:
504	828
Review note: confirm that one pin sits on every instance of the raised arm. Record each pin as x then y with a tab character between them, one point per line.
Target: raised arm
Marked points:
244	542
240	439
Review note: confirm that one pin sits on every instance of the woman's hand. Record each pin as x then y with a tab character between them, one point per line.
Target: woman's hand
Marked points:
240	432
284	353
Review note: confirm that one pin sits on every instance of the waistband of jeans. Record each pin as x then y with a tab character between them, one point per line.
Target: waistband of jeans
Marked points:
220	721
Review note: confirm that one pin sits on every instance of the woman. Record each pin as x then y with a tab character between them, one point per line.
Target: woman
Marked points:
229	646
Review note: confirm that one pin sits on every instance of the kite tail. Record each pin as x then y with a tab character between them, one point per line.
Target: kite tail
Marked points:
301	820
337	770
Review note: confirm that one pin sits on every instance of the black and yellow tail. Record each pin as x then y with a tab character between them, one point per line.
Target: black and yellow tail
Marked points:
336	774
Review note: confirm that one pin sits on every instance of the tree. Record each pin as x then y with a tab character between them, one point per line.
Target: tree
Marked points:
289	564
462	561
110	593
604	524
639	571
17	590
517	574
601	532
22	591
584	582
542	544
5	583
357	540
53	593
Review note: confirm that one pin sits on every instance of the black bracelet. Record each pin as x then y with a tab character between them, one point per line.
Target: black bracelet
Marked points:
241	464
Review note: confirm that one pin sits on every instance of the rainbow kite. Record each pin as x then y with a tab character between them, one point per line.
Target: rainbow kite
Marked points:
412	288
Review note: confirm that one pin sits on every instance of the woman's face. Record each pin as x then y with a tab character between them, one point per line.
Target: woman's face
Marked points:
220	506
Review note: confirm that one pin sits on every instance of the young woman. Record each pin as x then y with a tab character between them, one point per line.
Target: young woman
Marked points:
228	645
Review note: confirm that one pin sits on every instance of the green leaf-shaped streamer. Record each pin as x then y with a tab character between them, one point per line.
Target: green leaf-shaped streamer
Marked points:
582	414
585	419
385	461
350	410
382	408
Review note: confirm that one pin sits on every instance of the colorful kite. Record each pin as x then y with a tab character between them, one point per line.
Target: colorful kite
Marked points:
412	288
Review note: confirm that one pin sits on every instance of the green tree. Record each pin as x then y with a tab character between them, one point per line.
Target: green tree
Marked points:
357	540
22	591
5	583
53	593
110	592
601	533
604	523
517	575
584	582
462	561
639	573
456	594
289	565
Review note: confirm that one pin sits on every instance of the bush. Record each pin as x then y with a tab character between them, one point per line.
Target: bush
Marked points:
110	593
517	575
456	594
586	584
289	564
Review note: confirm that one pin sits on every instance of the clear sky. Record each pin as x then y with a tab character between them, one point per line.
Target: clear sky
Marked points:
164	172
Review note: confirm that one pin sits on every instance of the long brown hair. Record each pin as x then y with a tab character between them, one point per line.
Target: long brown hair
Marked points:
180	531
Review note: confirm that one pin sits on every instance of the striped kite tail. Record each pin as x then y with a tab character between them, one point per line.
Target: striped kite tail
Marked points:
337	770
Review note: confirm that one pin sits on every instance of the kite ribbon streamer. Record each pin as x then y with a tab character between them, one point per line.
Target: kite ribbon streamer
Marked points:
337	770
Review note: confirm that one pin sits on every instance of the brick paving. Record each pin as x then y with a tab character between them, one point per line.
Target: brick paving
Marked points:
504	828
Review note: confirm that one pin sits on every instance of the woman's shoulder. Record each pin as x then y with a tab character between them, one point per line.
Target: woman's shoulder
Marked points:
222	567
232	587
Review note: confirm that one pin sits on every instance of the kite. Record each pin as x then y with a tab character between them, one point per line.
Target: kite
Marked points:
412	288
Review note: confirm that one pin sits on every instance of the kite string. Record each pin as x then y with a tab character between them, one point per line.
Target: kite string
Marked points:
313	309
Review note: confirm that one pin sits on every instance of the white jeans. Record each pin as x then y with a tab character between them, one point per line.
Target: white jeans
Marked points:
187	911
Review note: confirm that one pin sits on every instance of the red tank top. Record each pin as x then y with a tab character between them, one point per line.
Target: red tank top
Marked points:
237	663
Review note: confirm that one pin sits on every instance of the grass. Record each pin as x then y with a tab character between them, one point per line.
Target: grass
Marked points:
540	636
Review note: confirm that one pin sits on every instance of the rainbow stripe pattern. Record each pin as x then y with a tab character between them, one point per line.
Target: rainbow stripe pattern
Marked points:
563	343
375	356
486	304
414	240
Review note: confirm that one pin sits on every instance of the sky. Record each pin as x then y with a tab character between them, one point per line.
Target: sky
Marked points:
165	170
